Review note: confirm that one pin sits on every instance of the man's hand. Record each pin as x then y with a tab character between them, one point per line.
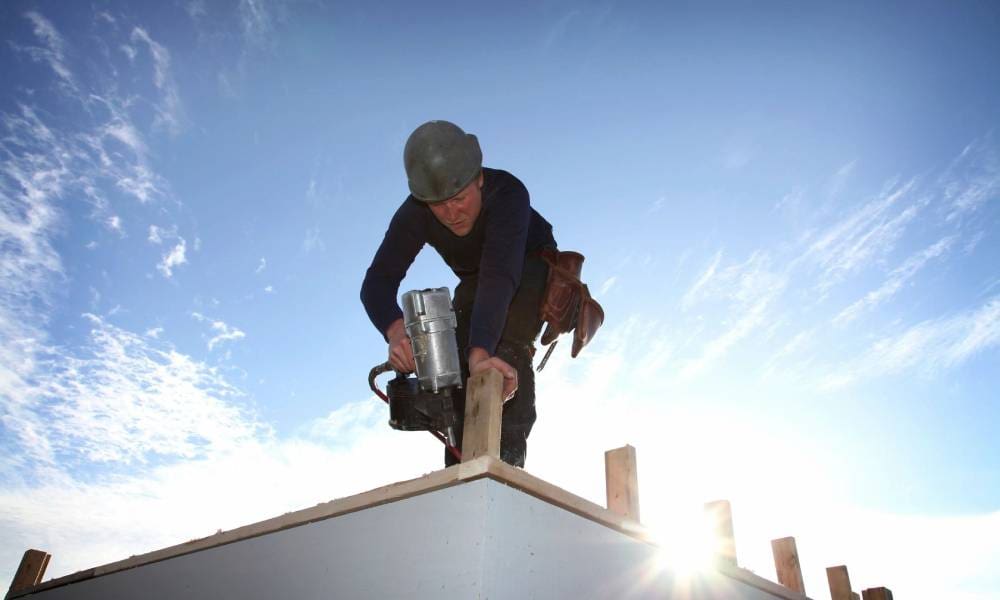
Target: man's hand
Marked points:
400	351
480	360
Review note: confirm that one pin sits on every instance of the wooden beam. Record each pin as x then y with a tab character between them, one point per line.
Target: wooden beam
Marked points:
840	583
622	482
483	410
786	563
719	514
879	593
31	570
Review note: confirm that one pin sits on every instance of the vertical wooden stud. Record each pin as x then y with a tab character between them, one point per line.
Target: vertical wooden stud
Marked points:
483	410
719	514
840	583
622	482
30	571
786	563
879	593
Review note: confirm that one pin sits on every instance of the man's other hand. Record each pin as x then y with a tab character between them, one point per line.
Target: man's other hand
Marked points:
400	350
480	360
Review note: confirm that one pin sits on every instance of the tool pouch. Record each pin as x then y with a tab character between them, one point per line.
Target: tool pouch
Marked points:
567	305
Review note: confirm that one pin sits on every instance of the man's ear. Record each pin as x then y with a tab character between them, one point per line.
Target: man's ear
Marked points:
481	179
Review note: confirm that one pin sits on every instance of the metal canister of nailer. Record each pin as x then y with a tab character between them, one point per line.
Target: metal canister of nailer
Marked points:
430	322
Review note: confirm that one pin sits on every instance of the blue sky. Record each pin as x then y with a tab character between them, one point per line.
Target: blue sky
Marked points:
789	214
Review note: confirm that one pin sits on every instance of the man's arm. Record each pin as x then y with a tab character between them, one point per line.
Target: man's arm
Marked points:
403	240
499	275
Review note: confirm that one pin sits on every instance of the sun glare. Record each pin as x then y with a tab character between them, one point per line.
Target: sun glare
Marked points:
686	545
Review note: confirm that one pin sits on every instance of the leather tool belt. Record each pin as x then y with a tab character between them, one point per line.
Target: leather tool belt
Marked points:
567	305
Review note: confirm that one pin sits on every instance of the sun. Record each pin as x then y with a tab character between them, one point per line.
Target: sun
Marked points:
686	546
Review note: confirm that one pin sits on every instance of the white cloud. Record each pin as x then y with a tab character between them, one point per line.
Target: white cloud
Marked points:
154	332
119	400
114	223
169	111
129	51
261	266
126	133
896	280
54	51
839	179
269	289
313	241
870	232
256	21
691	296
31	183
89	523
154	235
158	235
608	284
196	9
931	346
223	332
972	180
139	181
176	257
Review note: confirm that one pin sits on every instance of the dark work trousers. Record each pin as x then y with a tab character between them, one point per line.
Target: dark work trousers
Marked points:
516	348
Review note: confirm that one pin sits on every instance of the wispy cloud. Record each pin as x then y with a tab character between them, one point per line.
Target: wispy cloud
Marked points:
748	291
971	180
313	241
931	345
256	21
896	280
158	235
840	179
53	53
221	331
123	400
169	112
154	235
261	266
692	295
86	523
114	223
173	259
870	232
608	284
196	9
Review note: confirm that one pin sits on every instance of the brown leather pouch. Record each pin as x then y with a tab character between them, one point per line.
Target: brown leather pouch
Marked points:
562	293
567	304
589	320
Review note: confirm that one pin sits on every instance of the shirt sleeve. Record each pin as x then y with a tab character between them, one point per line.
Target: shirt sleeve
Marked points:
401	244
508	217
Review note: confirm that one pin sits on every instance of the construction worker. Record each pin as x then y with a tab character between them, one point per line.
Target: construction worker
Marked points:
481	223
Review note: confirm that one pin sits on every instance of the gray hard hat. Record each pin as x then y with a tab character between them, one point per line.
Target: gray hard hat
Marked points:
440	160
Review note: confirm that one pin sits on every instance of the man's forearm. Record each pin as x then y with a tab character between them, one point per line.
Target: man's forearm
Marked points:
395	330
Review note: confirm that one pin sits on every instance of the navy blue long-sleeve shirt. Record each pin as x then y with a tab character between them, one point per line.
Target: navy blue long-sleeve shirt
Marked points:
505	231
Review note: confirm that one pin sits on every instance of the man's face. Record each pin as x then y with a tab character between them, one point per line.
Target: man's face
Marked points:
459	213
